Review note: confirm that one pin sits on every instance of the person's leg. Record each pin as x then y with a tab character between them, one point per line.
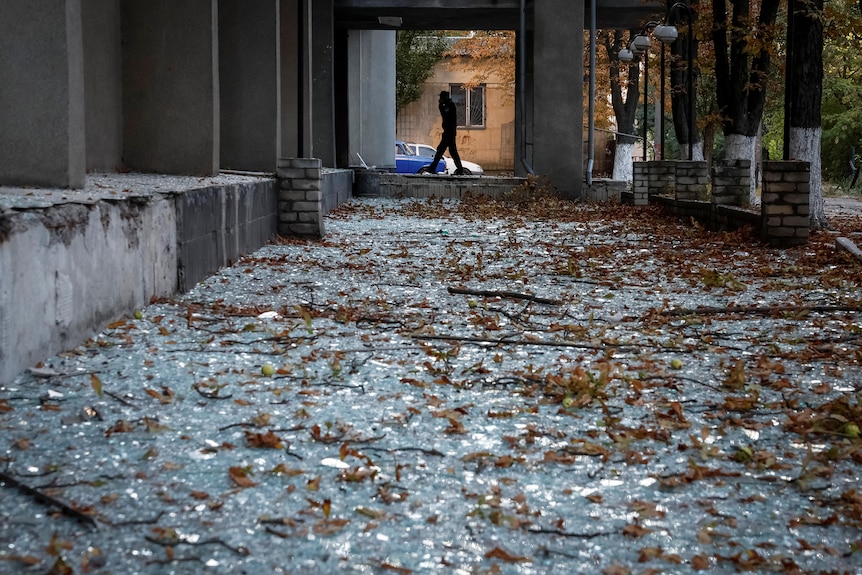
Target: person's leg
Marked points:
439	155
453	150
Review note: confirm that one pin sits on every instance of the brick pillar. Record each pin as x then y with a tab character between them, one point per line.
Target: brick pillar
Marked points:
731	181
299	198
662	177
784	203
691	180
640	183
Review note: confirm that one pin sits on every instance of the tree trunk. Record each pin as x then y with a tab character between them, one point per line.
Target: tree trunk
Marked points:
806	77
625	109
680	105
740	74
741	147
623	168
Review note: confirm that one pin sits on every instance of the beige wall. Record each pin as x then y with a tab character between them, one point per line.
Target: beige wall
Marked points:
492	147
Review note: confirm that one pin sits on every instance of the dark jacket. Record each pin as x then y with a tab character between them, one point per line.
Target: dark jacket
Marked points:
449	113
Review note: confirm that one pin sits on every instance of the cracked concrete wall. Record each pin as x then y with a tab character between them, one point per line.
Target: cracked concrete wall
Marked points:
70	269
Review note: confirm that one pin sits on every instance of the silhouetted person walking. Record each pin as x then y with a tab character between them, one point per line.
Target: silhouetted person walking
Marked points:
449	113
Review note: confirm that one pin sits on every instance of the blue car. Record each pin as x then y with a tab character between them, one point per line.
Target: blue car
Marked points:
407	162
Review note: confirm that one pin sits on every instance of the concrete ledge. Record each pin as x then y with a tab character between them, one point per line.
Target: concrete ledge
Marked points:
440	186
336	187
75	260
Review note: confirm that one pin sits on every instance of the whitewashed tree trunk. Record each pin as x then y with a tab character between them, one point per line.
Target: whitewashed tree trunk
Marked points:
623	170
805	146
696	151
741	147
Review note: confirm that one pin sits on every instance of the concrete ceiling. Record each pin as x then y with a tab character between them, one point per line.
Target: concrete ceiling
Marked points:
478	14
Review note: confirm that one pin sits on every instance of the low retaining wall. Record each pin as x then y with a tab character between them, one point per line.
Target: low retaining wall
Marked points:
785	203
441	186
604	190
74	260
783	218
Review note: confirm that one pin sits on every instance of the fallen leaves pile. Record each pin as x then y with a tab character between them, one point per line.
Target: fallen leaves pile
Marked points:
519	386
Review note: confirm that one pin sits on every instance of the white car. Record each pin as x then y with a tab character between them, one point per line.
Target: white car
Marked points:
426	150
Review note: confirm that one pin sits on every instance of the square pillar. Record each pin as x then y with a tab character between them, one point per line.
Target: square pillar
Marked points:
640	183
371	71
249	85
171	86
42	138
662	177
731	182
323	82
557	104
784	203
691	180
300	207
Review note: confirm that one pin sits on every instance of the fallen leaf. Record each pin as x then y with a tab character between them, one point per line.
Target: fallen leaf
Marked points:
96	384
633	530
502	554
700	562
240	476
268	440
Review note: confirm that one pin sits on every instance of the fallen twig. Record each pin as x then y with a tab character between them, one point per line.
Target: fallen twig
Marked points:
181	541
210	395
10	481
504	294
138	521
537	529
503	341
120	399
759	310
433	452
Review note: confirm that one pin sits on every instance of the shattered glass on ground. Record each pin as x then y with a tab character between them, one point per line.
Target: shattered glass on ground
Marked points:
458	387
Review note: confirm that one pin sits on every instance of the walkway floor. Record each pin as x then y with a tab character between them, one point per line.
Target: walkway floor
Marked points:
459	387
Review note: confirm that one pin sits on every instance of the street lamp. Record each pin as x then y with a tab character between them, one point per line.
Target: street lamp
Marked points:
640	44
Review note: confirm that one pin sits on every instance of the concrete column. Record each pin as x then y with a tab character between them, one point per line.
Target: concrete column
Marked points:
249	84
371	69
322	82
103	84
558	85
171	86
42	139
294	63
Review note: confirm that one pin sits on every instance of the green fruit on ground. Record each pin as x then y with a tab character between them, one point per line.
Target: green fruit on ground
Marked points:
138	314
852	430
676	363
268	369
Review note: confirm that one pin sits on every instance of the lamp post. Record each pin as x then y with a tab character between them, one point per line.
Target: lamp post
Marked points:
640	44
666	34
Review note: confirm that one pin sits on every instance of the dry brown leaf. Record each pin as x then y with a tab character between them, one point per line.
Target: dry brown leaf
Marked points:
502	554
240	476
268	440
700	562
634	530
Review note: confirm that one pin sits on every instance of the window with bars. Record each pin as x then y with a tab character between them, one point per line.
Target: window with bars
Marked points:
470	104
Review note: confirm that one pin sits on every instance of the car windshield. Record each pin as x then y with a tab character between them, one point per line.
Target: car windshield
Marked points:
403	150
